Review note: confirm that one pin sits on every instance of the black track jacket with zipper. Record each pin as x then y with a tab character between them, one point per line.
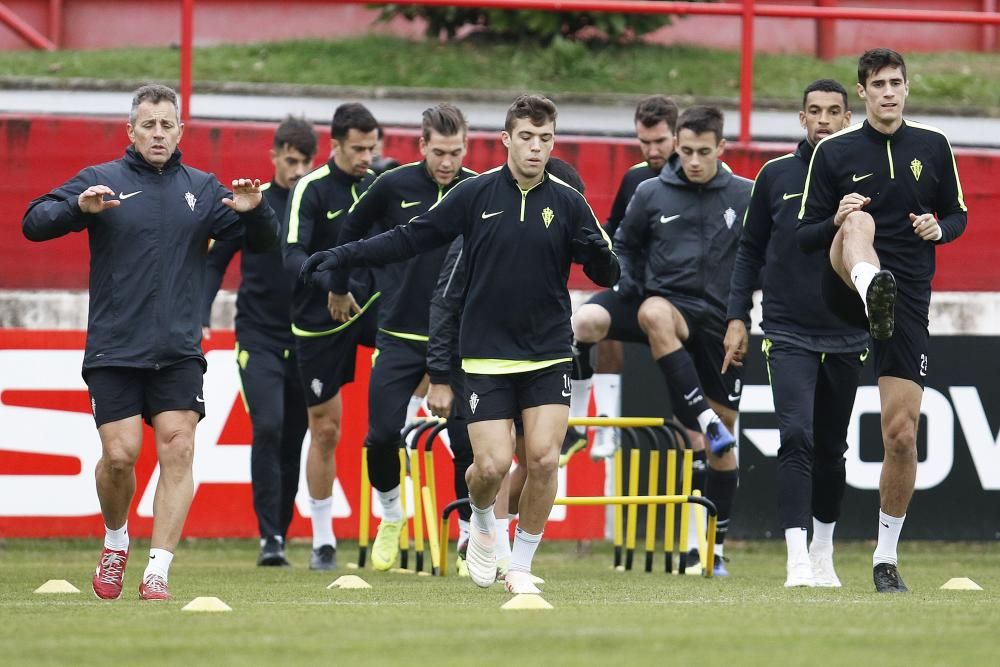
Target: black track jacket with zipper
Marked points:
147	256
518	250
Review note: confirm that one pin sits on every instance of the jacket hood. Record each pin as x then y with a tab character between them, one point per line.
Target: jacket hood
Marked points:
673	174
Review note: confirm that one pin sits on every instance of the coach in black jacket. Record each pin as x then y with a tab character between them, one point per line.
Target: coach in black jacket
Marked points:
147	246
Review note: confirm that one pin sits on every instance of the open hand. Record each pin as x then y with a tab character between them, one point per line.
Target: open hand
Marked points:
246	195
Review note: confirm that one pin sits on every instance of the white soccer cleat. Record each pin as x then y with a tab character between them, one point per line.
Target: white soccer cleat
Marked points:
605	444
480	557
800	575
518	582
824	575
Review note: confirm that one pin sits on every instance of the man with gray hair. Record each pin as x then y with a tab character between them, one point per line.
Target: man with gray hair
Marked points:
143	360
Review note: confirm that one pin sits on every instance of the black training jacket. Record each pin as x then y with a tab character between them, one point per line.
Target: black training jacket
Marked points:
395	198
445	315
318	206
264	299
792	278
518	250
684	234
147	256
630	181
911	171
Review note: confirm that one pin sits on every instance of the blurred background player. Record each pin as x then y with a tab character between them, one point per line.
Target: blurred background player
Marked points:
265	349
678	242
881	196
400	362
382	163
326	347
607	318
528	227
813	357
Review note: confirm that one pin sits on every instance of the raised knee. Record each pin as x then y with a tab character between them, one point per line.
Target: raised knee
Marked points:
655	317
858	222
588	326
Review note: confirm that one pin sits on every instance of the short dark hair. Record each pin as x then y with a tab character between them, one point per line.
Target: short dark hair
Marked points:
825	86
539	109
297	133
655	109
352	116
155	93
873	61
564	171
702	119
445	119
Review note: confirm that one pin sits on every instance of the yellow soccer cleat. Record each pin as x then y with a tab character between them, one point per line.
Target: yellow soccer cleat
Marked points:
385	549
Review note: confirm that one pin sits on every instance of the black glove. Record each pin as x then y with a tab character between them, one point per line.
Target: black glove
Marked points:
627	288
320	263
592	249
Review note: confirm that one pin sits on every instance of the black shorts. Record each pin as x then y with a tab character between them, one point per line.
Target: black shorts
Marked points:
705	343
327	363
489	397
904	355
118	392
398	366
624	314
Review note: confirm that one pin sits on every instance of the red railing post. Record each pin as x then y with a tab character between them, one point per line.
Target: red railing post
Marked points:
746	71
988	35
187	38
55	22
826	33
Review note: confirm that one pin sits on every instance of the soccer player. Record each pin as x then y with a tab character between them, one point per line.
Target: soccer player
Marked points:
880	196
607	318
265	349
522	230
143	360
325	346
678	243
813	357
400	363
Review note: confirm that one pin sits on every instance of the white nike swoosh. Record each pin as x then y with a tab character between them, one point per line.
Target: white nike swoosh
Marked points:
199	399
122	195
734	398
490	215
857	178
691	395
567	394
665	219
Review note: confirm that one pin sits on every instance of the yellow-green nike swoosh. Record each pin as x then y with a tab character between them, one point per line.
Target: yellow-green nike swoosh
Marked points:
857	178
408	204
788	196
330	215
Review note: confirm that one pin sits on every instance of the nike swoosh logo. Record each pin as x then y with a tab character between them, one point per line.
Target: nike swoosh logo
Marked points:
691	395
490	215
665	219
734	398
567	394
857	178
199	399
122	195
408	204
330	215
787	196
884	524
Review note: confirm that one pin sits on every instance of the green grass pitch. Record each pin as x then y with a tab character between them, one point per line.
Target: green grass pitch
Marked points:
287	616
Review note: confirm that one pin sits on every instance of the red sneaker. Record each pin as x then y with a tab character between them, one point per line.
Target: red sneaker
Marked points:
110	573
154	587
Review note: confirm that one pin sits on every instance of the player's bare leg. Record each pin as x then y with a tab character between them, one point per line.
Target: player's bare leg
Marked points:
121	442
321	471
493	451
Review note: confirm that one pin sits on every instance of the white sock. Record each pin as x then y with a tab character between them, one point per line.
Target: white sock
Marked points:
482	518
795	541
392	508
503	537
608	394
463	531
706	418
523	552
116	539
693	527
321	514
889	528
822	536
579	402
720	549
411	409
861	275
159	563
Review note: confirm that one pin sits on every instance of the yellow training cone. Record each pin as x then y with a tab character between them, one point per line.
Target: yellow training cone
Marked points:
350	581
206	604
961	584
525	601
57	586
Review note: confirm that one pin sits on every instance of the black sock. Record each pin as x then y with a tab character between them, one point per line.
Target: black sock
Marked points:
582	368
383	465
720	488
686	395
